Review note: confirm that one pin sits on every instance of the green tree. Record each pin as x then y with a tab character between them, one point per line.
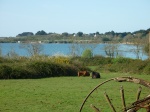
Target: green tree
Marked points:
41	33
87	53
97	33
104	39
80	34
25	34
65	34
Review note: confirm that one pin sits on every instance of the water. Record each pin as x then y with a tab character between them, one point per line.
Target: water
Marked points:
66	49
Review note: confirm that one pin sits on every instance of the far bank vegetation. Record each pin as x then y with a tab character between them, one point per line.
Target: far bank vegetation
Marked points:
79	37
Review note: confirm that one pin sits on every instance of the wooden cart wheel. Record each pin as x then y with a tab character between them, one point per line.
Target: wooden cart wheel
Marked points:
94	101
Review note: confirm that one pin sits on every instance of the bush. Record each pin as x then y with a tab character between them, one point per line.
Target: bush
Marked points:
94	61
146	69
39	69
19	73
130	66
5	72
121	60
87	54
100	60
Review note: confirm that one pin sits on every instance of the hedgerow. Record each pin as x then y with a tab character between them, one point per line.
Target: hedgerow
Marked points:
119	64
38	69
43	67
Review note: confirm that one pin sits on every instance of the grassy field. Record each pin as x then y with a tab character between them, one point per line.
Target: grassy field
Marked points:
61	94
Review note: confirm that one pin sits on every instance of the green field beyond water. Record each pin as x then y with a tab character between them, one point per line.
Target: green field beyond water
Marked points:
61	94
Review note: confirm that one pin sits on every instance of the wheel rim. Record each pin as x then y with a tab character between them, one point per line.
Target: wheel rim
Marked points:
125	108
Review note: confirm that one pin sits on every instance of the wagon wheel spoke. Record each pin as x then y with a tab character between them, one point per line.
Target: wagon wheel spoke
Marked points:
138	93
95	108
122	97
142	103
109	101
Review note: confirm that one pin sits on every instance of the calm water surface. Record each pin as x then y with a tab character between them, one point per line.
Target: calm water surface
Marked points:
65	49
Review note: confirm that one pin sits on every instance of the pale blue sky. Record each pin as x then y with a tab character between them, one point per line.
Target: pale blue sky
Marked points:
72	16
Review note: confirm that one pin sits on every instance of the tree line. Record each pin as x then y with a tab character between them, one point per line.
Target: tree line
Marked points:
65	37
141	33
42	32
110	36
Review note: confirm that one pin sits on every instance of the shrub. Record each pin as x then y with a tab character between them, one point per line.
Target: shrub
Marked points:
41	69
146	69
121	60
19	73
87	54
61	60
5	72
94	61
100	60
131	66
50	69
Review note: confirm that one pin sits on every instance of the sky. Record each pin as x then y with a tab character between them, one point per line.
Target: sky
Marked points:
72	16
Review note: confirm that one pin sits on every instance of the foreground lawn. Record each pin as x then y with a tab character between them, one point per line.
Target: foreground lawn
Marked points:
60	94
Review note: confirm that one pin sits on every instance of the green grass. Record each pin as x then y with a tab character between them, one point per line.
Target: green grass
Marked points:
60	94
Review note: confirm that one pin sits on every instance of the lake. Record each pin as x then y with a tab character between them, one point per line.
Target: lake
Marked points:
125	50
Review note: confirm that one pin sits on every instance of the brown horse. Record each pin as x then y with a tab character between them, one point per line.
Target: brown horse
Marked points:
83	73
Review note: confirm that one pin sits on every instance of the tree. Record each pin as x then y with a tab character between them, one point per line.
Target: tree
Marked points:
112	33
25	34
139	31
80	34
111	50
12	53
146	47
74	49
34	49
65	34
90	46
137	41
87	54
128	38
104	39
97	33
41	33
